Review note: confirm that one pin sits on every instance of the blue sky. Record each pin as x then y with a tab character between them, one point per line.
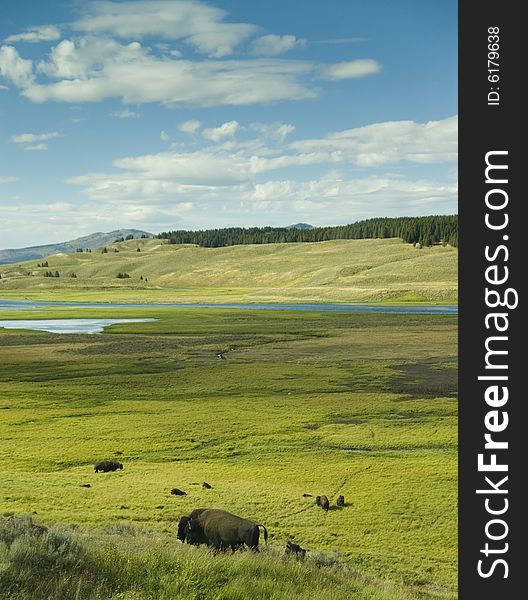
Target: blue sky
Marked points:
169	114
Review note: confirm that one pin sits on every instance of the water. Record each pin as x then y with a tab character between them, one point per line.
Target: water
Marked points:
349	307
67	325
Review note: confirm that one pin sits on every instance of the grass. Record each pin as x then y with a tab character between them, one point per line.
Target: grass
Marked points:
362	405
385	270
128	563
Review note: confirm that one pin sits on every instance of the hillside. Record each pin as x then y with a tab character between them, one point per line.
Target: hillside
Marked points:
94	240
371	270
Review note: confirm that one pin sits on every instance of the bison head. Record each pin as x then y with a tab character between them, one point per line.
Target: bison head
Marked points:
182	528
194	533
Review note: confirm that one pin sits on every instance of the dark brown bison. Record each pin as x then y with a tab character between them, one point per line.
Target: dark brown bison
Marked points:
178	492
307	495
325	503
340	501
207	486
224	530
107	465
295	550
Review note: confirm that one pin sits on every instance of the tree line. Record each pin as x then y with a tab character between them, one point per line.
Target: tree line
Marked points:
427	231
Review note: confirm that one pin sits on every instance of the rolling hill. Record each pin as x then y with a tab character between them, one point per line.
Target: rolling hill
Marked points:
370	270
94	240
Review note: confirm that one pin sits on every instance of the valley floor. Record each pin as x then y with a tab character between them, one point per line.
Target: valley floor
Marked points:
304	403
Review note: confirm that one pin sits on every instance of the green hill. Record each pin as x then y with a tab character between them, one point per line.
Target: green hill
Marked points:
373	270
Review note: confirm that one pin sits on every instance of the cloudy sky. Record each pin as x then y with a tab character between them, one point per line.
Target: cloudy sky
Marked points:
186	114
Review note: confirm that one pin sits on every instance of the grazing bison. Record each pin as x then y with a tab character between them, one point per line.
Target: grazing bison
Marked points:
207	486
224	530
107	465
325	503
295	549
318	500
177	492
86	485
307	495
340	501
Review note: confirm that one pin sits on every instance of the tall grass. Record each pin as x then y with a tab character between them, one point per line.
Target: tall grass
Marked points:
65	563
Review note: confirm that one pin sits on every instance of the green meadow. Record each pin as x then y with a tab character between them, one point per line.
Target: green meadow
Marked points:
369	270
362	405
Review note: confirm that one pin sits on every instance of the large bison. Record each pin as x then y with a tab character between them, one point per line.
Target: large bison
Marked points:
223	530
107	465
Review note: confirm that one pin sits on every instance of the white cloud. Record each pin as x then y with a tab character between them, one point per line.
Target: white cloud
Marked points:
30	138
273	45
190	127
8	179
91	70
351	69
225	130
125	114
45	33
164	136
198	24
391	142
233	171
14	68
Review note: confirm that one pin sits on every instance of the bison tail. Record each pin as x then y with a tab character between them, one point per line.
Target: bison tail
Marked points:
265	533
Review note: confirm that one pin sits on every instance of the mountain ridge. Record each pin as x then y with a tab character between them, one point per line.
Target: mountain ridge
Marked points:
91	241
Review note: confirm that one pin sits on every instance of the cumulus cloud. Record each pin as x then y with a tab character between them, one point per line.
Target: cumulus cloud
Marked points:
351	69
226	130
273	45
190	127
164	136
8	179
14	68
196	23
45	33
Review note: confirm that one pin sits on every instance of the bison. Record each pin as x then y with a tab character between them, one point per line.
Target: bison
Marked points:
107	465
295	549
318	500
325	503
340	501
207	486
222	530
178	492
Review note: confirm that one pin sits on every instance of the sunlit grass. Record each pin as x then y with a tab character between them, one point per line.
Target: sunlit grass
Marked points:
360	405
385	270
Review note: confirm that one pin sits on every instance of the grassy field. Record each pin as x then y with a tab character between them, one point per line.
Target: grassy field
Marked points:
357	404
384	270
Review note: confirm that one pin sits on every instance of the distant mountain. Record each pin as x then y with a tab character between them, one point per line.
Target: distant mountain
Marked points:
300	226
94	240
